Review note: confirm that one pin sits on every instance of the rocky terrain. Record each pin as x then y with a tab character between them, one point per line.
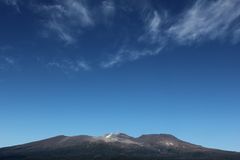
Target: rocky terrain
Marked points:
114	147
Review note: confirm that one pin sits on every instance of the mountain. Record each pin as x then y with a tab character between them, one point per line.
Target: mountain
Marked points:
114	147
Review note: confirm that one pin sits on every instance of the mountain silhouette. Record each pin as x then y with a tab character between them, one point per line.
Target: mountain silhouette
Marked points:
114	147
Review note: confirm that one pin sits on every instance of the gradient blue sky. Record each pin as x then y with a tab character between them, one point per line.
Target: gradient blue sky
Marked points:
93	67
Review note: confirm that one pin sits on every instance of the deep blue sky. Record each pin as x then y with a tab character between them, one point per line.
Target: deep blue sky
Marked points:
94	67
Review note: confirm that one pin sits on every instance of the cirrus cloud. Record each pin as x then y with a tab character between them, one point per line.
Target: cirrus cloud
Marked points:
204	21
66	19
147	33
207	20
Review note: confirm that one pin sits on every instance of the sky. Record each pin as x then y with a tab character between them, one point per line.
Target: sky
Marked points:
134	66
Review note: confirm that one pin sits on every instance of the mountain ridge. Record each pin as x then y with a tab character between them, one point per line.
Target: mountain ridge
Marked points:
114	146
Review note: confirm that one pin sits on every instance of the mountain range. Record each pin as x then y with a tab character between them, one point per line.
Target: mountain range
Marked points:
114	147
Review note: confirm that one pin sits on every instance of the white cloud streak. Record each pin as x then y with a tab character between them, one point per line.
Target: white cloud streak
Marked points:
129	55
206	20
108	8
154	23
152	40
67	65
67	18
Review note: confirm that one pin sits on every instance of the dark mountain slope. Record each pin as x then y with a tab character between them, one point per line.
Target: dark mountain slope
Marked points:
114	146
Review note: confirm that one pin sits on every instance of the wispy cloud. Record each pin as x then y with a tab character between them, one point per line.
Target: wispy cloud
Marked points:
112	61
158	28
14	3
67	65
63	32
9	60
107	10
6	63
67	18
152	41
108	7
84	65
206	20
153	24
125	54
11	2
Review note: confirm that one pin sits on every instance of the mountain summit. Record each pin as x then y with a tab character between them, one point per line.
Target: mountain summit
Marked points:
114	146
